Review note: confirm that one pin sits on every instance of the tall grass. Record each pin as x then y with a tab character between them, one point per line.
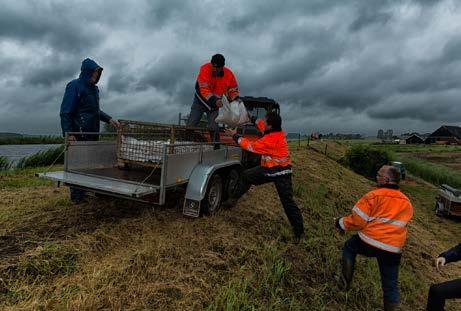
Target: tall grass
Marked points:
4	163
418	148
43	158
430	172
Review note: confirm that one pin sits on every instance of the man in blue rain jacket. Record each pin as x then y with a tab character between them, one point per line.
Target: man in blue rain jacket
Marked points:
80	111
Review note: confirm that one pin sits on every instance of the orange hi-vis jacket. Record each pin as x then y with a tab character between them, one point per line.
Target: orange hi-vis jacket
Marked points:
381	217
209	88
273	149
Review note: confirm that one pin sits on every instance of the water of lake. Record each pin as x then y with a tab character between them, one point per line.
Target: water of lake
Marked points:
16	152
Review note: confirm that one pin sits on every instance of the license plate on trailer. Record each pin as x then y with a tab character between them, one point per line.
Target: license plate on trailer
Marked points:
191	208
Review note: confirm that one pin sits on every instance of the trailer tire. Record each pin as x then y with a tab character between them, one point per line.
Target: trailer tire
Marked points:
438	212
213	196
232	180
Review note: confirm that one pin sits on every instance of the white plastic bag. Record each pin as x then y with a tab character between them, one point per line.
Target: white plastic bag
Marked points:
232	114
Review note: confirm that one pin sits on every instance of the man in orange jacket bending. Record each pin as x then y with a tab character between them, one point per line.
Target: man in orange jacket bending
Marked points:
213	81
380	217
275	167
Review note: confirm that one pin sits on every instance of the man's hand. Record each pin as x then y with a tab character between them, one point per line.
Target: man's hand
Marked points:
114	123
219	103
71	138
338	227
230	132
440	262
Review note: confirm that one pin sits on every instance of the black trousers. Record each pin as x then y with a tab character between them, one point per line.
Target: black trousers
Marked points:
283	184
439	292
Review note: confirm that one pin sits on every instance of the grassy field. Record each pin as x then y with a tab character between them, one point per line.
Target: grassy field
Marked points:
451	160
118	255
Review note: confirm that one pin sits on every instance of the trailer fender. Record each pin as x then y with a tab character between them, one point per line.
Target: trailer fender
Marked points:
200	176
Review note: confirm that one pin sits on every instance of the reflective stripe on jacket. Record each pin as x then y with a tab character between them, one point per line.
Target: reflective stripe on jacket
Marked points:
381	217
209	88
272	147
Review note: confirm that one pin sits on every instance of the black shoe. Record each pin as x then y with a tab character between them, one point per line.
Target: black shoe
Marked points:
298	238
390	306
230	203
79	201
344	278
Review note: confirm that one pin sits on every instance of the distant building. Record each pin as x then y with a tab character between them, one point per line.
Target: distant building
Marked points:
445	135
389	134
380	134
414	139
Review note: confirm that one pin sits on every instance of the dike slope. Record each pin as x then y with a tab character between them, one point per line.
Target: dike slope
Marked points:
116	255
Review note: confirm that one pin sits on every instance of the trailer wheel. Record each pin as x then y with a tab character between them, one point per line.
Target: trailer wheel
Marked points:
213	196
231	183
438	211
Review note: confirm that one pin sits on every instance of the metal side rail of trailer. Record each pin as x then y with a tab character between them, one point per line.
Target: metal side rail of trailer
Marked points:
205	173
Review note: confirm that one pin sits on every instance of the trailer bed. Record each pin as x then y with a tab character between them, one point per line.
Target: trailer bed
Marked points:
130	175
102	184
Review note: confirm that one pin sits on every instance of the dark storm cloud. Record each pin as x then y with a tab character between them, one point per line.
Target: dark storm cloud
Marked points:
426	108
368	16
451	51
169	73
56	24
333	65
50	72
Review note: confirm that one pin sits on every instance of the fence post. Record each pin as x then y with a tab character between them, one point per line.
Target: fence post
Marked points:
326	147
299	140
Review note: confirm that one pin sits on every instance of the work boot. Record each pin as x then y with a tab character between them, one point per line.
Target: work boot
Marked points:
298	238
347	271
229	203
388	306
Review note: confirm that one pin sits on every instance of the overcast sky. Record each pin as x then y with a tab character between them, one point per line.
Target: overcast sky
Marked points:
334	66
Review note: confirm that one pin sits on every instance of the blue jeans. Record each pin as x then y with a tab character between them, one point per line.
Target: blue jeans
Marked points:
196	112
388	265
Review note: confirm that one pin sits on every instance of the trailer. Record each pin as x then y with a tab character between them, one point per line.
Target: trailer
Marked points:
147	161
448	201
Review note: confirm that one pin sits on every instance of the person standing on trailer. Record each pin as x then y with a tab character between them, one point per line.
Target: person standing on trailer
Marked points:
213	81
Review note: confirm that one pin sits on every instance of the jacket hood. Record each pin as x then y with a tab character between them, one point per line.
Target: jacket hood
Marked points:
87	69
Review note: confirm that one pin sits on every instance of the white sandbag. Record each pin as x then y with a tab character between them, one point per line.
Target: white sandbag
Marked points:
232	114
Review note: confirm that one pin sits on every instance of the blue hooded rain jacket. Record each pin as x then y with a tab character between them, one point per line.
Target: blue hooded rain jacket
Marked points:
80	110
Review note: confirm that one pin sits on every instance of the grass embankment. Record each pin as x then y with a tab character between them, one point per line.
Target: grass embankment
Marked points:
120	255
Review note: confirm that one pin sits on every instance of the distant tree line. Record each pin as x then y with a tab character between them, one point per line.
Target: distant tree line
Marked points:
340	136
22	140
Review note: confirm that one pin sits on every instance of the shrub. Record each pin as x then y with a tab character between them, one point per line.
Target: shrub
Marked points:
4	163
365	160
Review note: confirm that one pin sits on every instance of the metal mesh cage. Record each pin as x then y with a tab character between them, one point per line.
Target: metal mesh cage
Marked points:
143	142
